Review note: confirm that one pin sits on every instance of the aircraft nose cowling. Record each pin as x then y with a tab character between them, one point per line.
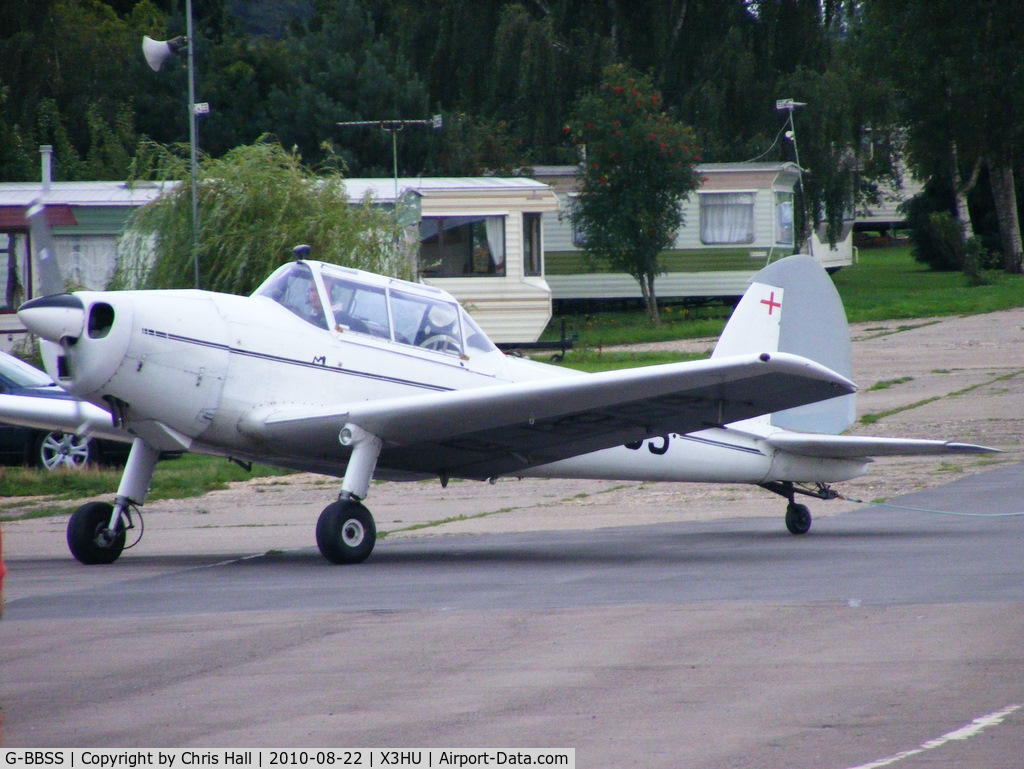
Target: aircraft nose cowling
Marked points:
54	317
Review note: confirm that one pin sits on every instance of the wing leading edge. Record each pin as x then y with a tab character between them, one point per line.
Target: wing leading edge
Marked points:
486	432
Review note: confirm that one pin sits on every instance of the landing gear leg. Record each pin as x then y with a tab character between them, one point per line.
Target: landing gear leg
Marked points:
346	532
97	530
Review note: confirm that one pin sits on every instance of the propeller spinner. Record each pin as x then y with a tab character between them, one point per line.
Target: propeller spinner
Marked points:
57	318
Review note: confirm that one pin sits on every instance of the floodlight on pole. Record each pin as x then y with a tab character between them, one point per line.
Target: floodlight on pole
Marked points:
156	53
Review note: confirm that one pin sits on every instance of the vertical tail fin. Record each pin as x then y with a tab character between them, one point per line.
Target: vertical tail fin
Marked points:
792	306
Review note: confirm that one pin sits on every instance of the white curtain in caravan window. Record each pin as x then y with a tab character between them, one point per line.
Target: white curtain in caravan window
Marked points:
496	238
727	217
784	218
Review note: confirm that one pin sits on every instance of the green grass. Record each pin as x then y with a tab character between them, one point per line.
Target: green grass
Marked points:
885	384
187	476
604	329
592	360
887	284
870	419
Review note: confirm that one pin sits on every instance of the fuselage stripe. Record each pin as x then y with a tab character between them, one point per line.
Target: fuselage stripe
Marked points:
289	361
723	444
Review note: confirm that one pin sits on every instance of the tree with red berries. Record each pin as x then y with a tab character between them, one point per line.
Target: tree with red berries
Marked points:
638	170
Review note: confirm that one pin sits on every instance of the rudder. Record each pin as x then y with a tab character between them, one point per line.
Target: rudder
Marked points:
792	306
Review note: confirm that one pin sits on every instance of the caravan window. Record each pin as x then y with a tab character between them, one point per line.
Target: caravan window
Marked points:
532	255
462	246
784	218
726	217
579	234
14	251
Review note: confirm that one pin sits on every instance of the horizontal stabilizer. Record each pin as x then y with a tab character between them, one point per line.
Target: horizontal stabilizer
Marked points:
853	446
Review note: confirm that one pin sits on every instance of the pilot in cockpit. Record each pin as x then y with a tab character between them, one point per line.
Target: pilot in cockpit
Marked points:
314	310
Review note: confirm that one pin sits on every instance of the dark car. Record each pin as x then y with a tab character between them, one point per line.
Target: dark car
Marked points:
50	449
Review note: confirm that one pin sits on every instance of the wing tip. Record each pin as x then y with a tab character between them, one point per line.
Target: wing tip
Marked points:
956	447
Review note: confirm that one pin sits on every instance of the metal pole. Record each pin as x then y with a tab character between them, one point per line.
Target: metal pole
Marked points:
394	126
394	158
789	105
808	224
192	137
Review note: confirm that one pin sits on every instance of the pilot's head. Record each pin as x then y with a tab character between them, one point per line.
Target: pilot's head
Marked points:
316	308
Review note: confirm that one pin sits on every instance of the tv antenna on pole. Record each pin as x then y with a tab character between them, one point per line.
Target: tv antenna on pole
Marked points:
789	105
393	127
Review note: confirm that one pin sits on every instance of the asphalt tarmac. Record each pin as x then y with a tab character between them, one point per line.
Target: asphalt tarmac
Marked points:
885	637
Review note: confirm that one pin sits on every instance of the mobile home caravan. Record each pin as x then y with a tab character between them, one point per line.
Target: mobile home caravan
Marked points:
736	222
481	240
87	220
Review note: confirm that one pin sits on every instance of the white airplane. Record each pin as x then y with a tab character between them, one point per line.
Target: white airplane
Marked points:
347	373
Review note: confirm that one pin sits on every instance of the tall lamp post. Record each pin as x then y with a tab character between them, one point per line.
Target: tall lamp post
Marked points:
156	53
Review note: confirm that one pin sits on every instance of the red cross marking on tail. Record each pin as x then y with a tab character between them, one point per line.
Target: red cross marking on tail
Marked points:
772	304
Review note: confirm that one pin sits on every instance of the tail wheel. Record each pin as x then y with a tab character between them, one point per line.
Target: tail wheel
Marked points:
89	536
798	518
345	532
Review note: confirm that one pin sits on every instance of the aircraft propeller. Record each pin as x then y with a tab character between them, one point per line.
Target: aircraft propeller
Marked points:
51	281
55	316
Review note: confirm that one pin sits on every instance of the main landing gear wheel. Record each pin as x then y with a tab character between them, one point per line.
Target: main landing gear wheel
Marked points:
89	536
345	532
798	518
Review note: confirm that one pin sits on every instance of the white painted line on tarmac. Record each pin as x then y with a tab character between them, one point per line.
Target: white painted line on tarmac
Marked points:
963	733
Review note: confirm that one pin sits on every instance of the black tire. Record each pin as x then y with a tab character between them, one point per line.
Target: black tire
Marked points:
57	450
87	534
798	519
345	532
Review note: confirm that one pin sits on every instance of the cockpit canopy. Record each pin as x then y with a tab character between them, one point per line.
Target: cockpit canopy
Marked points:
347	300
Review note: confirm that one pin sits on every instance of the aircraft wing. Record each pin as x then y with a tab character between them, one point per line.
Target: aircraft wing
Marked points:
486	432
854	447
63	414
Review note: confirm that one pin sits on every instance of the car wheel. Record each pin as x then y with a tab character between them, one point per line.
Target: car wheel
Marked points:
56	450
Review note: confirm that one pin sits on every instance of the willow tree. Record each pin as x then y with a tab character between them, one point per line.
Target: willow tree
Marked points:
637	174
256	203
